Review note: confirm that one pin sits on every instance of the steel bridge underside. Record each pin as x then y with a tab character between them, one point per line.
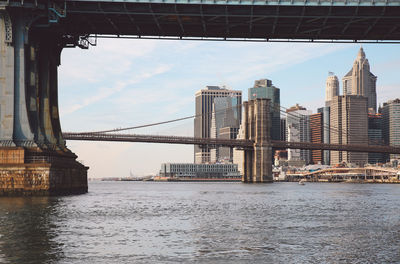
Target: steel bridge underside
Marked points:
213	142
337	20
227	21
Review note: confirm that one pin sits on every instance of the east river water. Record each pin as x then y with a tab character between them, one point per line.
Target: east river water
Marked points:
149	222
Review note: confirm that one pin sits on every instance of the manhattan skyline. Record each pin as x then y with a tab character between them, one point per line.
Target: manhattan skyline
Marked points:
131	82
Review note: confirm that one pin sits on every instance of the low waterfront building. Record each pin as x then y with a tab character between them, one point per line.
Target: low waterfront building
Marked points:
199	171
281	158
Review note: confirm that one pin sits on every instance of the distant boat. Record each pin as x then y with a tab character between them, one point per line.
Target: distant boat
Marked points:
302	182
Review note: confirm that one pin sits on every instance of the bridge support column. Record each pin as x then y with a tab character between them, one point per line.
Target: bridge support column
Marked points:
6	81
257	162
33	155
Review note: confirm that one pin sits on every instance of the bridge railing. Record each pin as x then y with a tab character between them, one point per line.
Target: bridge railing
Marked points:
246	144
158	139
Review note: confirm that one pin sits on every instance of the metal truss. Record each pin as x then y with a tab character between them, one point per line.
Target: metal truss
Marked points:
367	21
246	21
83	42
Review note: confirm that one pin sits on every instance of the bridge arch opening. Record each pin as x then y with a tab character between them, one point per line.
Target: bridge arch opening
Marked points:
46	129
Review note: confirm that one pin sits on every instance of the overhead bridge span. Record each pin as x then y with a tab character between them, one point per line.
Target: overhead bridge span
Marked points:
216	142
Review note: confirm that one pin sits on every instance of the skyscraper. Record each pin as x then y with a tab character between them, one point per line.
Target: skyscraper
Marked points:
202	121
316	133
298	130
326	112
332	88
375	137
225	122
391	124
348	125
264	89
360	81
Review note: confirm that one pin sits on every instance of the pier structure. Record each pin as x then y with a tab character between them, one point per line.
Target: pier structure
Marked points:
366	175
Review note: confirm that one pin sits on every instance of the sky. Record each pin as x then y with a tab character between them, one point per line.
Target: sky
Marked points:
125	82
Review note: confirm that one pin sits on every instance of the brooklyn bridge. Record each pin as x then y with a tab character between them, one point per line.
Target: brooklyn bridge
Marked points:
34	32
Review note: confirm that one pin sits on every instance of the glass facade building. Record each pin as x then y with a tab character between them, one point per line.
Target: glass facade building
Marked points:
204	108
264	89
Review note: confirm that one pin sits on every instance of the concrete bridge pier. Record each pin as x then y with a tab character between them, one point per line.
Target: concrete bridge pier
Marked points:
257	162
34	159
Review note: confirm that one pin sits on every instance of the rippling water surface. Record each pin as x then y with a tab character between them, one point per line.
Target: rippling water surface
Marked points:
135	222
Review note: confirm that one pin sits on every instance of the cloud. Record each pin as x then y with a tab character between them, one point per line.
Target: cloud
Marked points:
104	93
110	57
258	59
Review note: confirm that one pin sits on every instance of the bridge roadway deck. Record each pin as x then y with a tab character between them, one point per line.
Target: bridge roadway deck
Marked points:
212	142
343	20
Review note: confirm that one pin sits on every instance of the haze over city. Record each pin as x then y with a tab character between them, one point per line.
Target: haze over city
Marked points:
124	83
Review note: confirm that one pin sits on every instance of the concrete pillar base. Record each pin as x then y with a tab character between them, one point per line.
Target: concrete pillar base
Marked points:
33	172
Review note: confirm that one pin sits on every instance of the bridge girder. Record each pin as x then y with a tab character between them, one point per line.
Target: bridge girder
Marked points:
350	20
230	21
237	143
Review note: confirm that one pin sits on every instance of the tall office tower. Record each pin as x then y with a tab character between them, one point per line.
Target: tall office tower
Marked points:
264	89
360	81
325	111
391	124
202	121
375	137
298	130
332	88
349	125
225	122
283	136
317	136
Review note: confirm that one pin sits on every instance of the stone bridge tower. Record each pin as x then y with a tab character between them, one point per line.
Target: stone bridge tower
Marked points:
257	162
